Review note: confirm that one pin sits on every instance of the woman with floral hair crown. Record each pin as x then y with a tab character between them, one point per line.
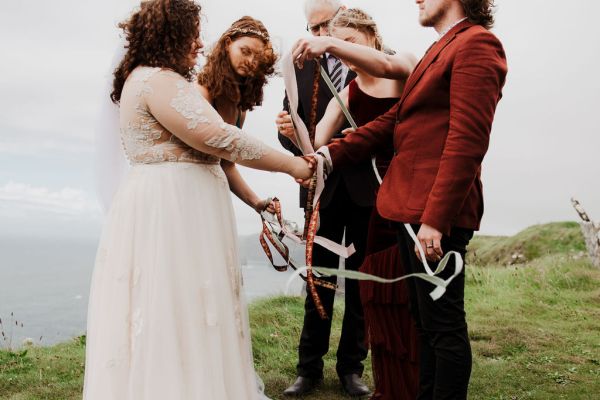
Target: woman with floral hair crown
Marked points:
232	80
390	329
166	317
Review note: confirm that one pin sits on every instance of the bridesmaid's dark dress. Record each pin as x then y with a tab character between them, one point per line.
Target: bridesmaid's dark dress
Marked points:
390	328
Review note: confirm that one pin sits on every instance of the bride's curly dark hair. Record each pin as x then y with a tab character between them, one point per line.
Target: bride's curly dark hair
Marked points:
160	34
219	77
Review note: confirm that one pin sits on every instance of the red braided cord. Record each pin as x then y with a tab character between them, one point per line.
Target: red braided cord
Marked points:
312	215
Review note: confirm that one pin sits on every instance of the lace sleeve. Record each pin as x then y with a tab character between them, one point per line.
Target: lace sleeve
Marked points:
179	106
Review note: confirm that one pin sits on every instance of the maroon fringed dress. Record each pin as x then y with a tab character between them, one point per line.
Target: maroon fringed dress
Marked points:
389	325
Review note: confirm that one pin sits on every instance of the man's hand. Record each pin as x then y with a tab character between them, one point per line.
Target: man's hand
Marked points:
431	240
303	168
312	163
309	49
284	124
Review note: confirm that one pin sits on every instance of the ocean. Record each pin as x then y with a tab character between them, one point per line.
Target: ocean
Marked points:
44	285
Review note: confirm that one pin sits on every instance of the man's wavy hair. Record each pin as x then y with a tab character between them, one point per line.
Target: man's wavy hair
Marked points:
479	12
160	34
219	77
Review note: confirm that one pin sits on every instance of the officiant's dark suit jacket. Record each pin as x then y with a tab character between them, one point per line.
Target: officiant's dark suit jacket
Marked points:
359	179
346	204
440	131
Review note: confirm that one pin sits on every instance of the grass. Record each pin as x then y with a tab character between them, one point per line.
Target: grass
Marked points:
534	327
276	324
532	243
43	372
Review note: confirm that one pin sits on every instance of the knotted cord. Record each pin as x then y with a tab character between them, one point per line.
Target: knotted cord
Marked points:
311	223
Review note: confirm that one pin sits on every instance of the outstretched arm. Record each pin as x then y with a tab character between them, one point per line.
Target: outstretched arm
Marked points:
368	59
239	186
333	120
365	141
179	106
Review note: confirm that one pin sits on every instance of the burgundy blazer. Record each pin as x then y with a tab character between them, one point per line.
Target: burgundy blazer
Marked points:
440	132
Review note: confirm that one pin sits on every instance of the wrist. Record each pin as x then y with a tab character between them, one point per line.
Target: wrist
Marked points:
256	204
293	166
331	45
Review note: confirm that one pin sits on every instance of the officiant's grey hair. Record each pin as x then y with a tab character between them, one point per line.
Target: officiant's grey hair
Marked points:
311	5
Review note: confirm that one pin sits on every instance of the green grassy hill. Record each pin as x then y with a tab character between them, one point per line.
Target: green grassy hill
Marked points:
528	245
534	327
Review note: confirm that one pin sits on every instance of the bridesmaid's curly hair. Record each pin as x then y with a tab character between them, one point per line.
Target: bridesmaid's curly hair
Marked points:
160	34
219	77
479	12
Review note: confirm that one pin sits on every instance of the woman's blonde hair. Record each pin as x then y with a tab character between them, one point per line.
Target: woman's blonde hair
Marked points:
356	18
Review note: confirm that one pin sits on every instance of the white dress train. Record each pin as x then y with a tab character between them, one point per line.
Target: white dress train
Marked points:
166	315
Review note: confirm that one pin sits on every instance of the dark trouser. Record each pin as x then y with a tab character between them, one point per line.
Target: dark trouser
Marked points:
445	359
340	213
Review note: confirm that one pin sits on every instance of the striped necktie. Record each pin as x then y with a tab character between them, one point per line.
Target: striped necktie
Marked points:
336	74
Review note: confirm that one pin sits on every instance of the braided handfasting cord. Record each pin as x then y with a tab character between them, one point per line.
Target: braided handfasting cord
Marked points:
275	232
312	213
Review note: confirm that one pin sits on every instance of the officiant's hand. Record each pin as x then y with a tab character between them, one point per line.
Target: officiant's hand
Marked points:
309	49
284	124
431	240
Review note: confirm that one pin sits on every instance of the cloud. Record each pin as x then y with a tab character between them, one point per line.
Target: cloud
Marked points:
543	146
67	201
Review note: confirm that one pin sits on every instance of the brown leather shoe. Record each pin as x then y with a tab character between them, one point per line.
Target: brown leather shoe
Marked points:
354	386
302	386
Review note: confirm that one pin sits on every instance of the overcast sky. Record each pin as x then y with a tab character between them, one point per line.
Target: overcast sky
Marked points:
55	55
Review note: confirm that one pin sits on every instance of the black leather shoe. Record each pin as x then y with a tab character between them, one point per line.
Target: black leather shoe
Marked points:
354	386
302	386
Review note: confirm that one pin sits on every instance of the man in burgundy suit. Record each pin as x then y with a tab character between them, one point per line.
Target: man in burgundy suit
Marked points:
440	132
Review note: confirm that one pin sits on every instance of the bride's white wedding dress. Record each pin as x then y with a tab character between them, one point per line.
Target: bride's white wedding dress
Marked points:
167	320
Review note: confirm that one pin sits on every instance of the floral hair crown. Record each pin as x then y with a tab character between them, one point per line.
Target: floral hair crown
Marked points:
245	31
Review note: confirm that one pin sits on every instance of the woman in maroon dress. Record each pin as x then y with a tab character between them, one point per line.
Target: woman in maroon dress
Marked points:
391	331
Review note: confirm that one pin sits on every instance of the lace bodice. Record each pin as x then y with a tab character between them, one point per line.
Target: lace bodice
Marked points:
164	118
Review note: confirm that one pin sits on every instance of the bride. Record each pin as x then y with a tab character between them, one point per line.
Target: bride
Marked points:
166	316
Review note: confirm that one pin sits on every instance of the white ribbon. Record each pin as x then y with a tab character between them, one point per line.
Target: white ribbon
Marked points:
303	140
429	275
291	88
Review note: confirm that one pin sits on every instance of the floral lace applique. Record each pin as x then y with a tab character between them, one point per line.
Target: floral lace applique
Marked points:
102	256
142	76
136	327
218	172
236	142
146	141
236	279
189	104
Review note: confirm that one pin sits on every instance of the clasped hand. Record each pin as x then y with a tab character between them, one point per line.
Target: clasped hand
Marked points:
303	168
